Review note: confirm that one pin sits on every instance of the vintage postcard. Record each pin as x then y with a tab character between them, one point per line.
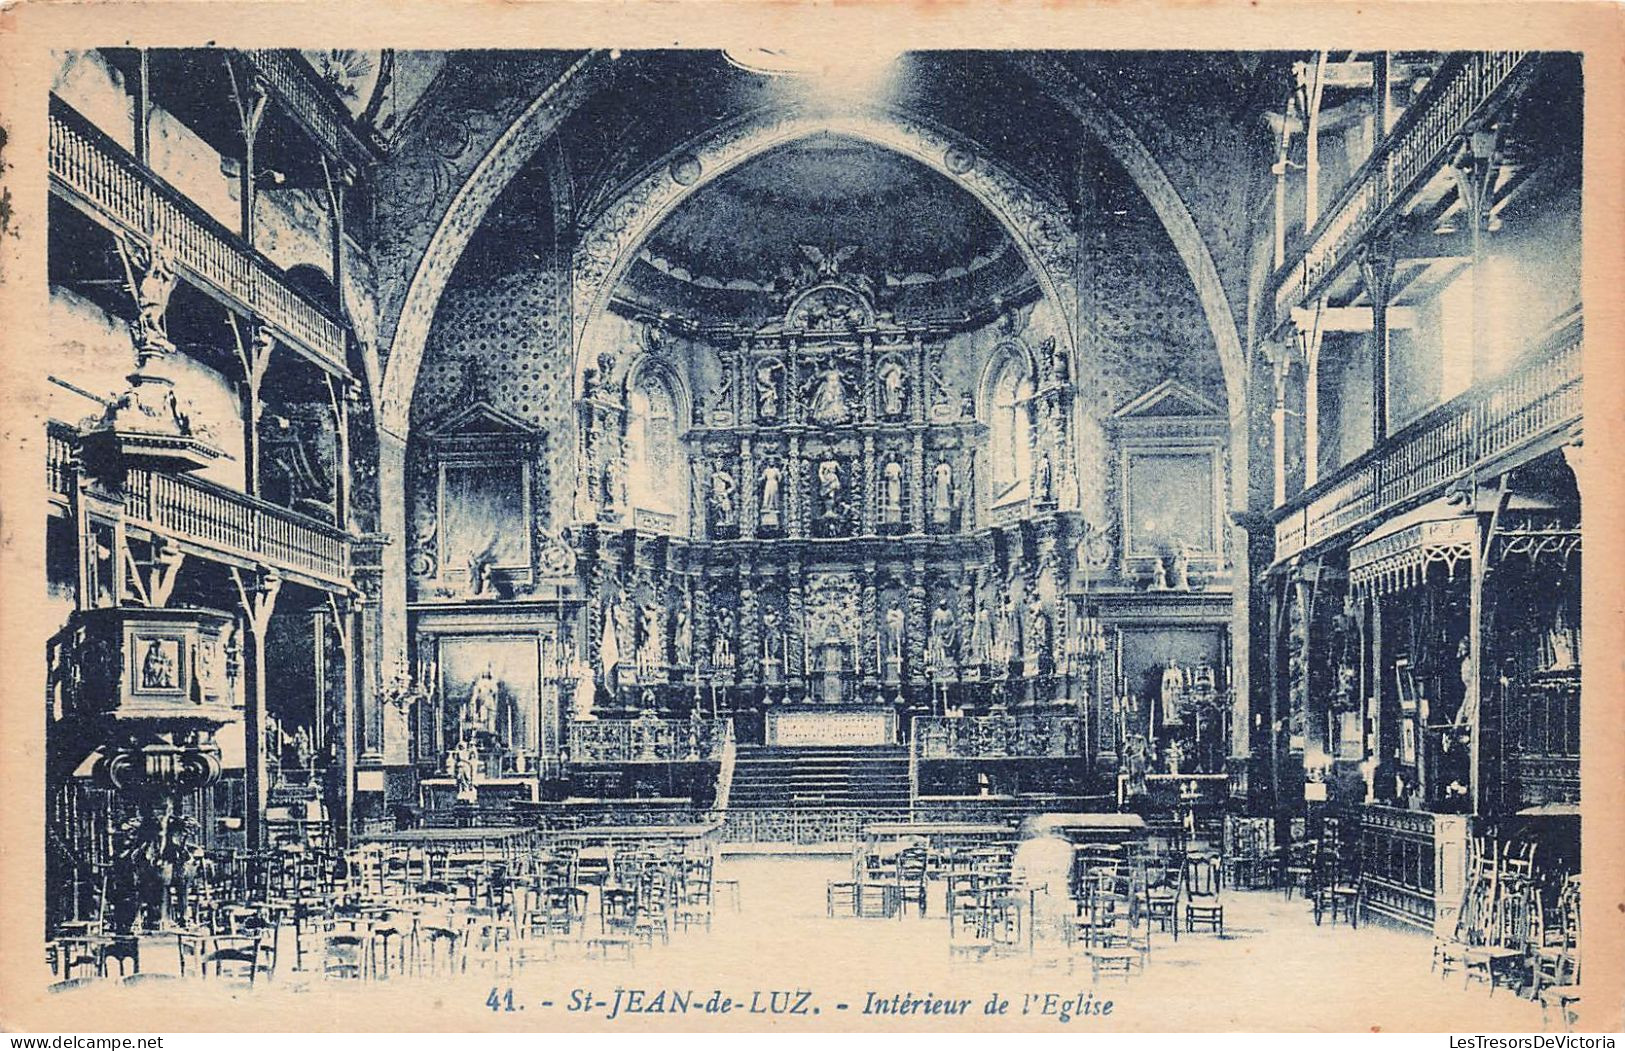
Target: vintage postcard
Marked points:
579	516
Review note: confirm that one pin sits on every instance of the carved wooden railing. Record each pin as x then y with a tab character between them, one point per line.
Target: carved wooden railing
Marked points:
96	170
1465	87
649	740
311	102
231	523
1538	397
998	737
61	459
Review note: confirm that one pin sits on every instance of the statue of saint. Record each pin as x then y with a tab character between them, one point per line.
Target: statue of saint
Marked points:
892	393
723	488
829	486
894	633
1037	633
942	632
722	644
1173	692
1159	575
942	491
683	634
826	397
649	628
1182	569
891	492
465	762
772	636
767	389
981	636
771	479
480	711
152	291
1043	482
1005	643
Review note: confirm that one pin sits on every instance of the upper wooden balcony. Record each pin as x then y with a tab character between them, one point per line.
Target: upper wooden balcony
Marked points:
1534	406
1465	90
103	180
213	521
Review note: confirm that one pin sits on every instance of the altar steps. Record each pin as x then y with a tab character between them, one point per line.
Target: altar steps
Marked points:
817	777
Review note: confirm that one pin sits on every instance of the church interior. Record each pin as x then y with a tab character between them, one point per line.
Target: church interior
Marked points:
1105	511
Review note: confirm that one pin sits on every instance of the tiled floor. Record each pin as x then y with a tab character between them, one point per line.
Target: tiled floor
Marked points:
1273	969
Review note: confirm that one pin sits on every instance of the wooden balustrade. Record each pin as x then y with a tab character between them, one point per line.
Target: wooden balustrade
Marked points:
222	520
1534	400
97	171
303	95
1454	101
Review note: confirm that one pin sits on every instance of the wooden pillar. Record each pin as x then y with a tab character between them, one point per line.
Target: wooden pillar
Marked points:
1312	82
1280	358
1309	334
258	602
344	626
1377	270
250	98
143	107
1475	182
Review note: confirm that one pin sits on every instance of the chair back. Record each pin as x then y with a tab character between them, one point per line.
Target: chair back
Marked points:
1202	876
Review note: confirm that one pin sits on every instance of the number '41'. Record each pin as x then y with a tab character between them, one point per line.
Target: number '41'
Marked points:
502	1002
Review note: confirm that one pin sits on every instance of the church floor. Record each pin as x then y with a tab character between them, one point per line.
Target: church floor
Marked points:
1273	969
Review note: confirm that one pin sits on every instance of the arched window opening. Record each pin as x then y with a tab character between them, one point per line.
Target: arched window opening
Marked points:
1010	425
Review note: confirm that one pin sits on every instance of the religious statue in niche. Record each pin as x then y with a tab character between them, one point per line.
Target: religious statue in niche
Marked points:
723	488
772	479
1173	694
943	496
1043	481
481	707
829	487
894	633
649	655
891	492
1051	353
893	391
1037	630
827	396
682	635
943	634
767	389
1004	643
722	644
772	644
967	406
611	484
981	635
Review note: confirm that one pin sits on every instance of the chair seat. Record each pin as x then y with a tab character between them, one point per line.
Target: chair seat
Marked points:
1492	952
1560	994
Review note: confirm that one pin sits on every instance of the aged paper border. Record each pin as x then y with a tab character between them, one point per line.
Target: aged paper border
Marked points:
29	31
